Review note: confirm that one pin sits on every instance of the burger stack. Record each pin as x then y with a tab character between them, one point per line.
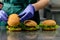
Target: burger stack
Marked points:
49	25
14	24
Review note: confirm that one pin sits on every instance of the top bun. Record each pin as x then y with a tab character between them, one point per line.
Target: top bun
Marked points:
49	22
13	20
30	23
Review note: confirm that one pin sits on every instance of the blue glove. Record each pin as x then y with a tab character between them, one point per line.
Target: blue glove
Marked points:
27	13
3	16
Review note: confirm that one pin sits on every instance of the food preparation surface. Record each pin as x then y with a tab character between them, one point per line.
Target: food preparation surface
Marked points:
32	35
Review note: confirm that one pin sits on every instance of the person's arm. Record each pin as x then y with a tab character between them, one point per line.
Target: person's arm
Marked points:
40	4
31	8
3	15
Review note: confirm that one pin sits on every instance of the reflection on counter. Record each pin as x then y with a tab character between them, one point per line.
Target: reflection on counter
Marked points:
3	35
33	35
22	36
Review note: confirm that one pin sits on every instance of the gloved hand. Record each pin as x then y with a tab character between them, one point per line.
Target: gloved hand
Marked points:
27	13
3	16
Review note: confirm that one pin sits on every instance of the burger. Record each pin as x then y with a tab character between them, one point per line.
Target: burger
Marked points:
48	25
30	25
13	23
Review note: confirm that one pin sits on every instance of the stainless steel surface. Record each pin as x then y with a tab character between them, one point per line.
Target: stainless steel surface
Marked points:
34	35
55	2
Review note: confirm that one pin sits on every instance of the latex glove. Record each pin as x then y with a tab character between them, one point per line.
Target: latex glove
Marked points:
3	16
27	13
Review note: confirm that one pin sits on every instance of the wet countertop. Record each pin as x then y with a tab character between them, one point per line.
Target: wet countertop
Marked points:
32	35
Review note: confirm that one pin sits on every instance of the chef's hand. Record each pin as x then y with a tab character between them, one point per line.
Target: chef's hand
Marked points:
3	16
27	13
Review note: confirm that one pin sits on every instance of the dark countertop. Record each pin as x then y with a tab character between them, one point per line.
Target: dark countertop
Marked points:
34	35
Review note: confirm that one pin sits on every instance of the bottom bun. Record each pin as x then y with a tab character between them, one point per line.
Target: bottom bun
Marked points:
49	29
30	29
16	30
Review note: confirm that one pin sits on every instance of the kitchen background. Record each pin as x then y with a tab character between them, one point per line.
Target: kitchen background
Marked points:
52	11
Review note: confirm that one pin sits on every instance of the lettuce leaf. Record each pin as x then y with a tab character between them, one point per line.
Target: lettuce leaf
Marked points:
45	26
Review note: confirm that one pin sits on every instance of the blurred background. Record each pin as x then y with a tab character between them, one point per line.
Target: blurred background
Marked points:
51	11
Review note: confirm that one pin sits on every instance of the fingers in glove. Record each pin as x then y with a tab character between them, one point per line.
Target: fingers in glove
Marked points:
21	14
26	16
3	17
0	19
5	14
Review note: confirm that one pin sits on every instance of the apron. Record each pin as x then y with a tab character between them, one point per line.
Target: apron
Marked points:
17	6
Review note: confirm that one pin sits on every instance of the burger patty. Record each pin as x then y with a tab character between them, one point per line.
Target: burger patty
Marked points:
49	29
